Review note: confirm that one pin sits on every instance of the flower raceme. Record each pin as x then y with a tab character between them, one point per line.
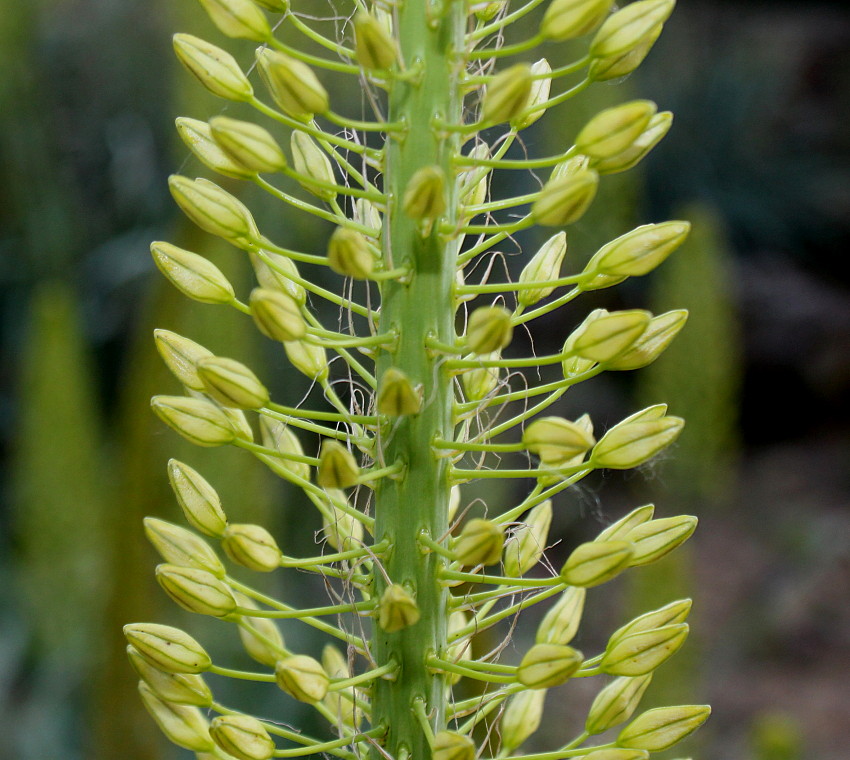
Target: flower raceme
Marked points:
421	570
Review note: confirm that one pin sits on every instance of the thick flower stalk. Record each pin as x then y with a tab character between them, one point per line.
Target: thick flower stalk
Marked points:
447	402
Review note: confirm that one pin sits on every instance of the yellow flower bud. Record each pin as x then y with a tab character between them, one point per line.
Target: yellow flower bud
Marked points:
197	137
488	11
337	466
616	753
639	653
556	440
192	274
248	145
308	358
181	356
302	677
660	728
474	182
561	622
596	562
574	364
179	688
397	609
397	396
633	442
454	501
479	543
449	745
544	265
548	665
568	19
167	648
669	614
374	48
251	546
458	648
277	436
198	421
238	18
609	335
343	531
292	85
231	383
243	737
367	214
615	66
311	163
489	330
564	200
657	538
655	131
620	529
616	703
639	251
613	130
629	27
179	546
539	94
569	167
507	95
277	315
183	725
658	335
279	274
425	194
480	382
524	548
260	636
340	702
214	210
349	254
196	590
215	68
521	717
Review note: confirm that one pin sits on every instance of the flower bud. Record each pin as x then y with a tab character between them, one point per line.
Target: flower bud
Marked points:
655	131
337	466
454	502
561	622
615	703
302	677
367	214
507	95
278	274
215	68
568	19
277	315
292	85
449	745
197	498
214	210
657	538
544	265
479	543
397	396
260	636
474	182
425	194
238	18
574	364
609	335
308	358
397	609
198	421
619	530
183	725
488	11
613	130
669	614
276	6
310	161
196	590
660	728
179	688
181	356
654	341
563	201
374	48
524	548
232	384
556	440
458	648
181	547
521	717
570	166
539	94
248	145
616	753
631	443
277	436
596	562
639	653
548	665
251	546
167	648
197	137
480	382
489	329
342	530
243	737
638	252
340	702
349	254
629	27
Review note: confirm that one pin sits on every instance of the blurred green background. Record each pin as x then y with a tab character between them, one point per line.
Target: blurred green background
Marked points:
759	159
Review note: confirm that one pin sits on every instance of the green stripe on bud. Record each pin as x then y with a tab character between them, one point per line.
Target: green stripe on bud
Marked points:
609	334
638	252
613	130
660	728
181	356
556	440
655	131
561	622
521	717
168	648
544	265
214	210
179	546
199	501
669	614
342	530
620	529
278	275
243	737
179	688
397	396
251	546
302	677
507	95
548	665
182	725
214	68
292	85
337	466
564	200
374	48
397	609
308	358
568	19
449	745
615	703
196	590
310	162
198	421
630	26
657	538
524	548
632	442
198	138
596	562
539	94
248	145
479	382
277	436
277	315
192	274
349	254
480	543
367	214
489	330
231	383
425	194
639	653
654	341
260	636
240	19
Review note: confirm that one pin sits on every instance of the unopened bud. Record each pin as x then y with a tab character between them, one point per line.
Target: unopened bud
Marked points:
183	725
251	546
349	254
179	688
616	753
507	94
556	440
638	252
197	137
544	265
308	358
215	68
248	145
454	501
198	421
367	214
488	11
615	703
479	543
619	530
168	648
524	548
397	396
548	665
311	163
425	194
655	131
458	648
292	84
670	614
630	26
342	530
191	274
232	384
243	737
613	130
449	745
179	546
240	19
521	717
214	210
615	66
574	364
337	466
660	728
374	48
279	437
479	382
541	84
596	562
563	201
302	677
277	315
633	442
276	6
568	19
196	590
397	609
489	330
639	653
561	622
181	356
199	501
473	183
657	538
260	636
341	703
609	335
656	338
570	166
277	272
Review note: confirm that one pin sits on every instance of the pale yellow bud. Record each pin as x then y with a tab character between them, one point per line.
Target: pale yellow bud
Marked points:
349	254
449	745
548	665
260	636
479	543
609	334
397	396
656	730
639	653
311	163
184	725
248	145
574	364
489	330
613	130
454	501
243	737
638	252
524	548
596	562
308	358
616	703
337	466
458	648
181	356
196	590
669	614
292	85
342	530
231	383
480	382
277	436
633	442
238	18
616	753
302	677
629	27
568	19
279	274
215	68
657	538
655	131
397	609
539	94
507	95
367	214
521	717
658	335
214	210
488	11
556	440
425	194
167	648
473	183
198	421
570	166
619	530
277	315
251	546
179	688
374	47
179	546
340	702
544	265
197	137
561	622
564	200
